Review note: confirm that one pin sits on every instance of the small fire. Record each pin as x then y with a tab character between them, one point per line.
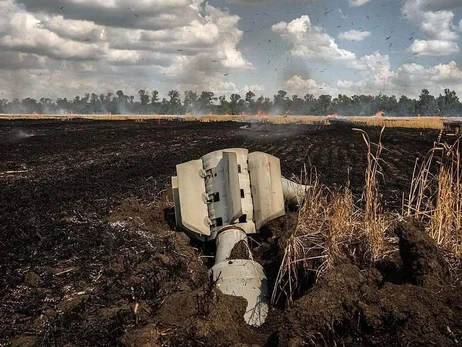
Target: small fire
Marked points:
379	114
334	115
262	114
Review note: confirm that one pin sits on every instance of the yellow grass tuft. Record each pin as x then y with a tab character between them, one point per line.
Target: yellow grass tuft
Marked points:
435	196
412	123
374	221
332	229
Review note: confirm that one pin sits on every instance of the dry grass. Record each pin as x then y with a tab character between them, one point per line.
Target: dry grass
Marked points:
333	228
374	221
328	224
435	196
416	122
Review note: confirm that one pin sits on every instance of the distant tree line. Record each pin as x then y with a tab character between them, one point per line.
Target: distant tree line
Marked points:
207	102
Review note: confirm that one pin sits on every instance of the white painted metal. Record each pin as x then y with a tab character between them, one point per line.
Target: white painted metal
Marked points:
266	186
191	195
224	196
294	193
241	277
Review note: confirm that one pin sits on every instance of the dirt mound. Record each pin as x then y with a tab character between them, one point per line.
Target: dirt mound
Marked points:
358	308
423	262
202	317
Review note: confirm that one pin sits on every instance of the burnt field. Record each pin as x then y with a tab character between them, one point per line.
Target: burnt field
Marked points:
89	255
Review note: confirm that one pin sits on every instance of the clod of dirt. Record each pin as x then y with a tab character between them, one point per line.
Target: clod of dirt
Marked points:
150	218
204	317
331	305
144	337
240	251
423	263
350	308
354	307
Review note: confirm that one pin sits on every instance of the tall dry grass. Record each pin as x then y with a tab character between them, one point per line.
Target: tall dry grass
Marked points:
329	231
375	223
333	228
435	195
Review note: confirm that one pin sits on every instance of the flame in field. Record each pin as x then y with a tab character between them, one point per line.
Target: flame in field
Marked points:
262	114
334	115
379	114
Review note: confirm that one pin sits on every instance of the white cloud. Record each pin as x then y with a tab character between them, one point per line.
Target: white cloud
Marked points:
342	14
434	47
376	73
436	24
408	79
310	41
166	41
354	35
256	88
432	5
298	85
460	25
357	3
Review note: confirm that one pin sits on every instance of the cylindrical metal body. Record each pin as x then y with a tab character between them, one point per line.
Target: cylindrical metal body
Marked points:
293	193
226	241
241	277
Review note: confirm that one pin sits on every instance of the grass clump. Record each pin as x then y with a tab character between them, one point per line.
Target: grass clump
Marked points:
334	228
435	195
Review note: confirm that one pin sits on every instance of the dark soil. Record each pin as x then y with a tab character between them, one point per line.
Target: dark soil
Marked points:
360	308
89	255
240	251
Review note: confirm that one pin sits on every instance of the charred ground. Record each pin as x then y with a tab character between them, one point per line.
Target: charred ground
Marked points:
88	255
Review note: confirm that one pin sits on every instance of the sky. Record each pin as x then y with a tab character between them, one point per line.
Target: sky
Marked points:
63	48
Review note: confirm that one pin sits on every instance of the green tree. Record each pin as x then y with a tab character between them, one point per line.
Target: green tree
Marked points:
144	97
250	102
236	104
205	101
427	105
449	103
281	102
406	106
190	101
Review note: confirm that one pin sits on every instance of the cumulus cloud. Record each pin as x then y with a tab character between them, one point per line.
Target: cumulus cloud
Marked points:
310	41
354	35
357	3
342	14
171	41
376	75
297	84
436	24
434	47
432	5
256	88
254	2
379	78
147	14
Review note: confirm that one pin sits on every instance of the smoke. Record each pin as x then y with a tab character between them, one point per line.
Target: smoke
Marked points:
16	135
261	131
